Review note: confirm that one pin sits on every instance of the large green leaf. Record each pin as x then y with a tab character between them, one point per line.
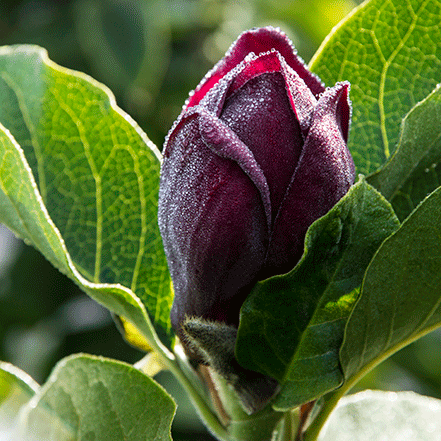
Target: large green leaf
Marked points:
92	398
16	389
413	171
389	50
97	174
291	326
385	416
400	298
22	209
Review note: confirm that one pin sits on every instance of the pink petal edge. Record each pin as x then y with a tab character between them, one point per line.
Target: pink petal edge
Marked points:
256	41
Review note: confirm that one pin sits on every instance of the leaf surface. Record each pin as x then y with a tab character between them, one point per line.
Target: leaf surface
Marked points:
16	389
86	170
414	170
385	416
389	51
93	398
291	326
400	299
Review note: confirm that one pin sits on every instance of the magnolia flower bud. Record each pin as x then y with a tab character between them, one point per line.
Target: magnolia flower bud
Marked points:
256	156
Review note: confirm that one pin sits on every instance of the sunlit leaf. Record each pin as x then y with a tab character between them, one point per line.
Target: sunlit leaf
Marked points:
400	299
291	326
385	416
96	398
389	50
16	389
414	170
97	174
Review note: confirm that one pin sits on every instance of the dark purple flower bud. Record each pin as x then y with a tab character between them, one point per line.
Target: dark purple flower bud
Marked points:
256	156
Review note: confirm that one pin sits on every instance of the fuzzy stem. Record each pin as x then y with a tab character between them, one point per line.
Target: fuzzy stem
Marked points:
204	410
193	388
258	426
290	424
317	425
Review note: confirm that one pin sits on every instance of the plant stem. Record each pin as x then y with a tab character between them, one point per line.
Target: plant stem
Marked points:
198	398
204	410
331	401
258	426
288	428
316	426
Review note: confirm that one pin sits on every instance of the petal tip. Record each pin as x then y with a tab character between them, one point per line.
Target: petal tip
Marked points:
256	41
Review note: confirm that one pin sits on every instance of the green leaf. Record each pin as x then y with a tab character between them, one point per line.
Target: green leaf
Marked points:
386	416
400	299
389	50
22	209
413	171
16	389
93	398
291	326
97	174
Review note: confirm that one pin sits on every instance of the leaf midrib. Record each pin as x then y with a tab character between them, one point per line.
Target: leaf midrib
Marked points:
296	357
97	178
386	64
32	131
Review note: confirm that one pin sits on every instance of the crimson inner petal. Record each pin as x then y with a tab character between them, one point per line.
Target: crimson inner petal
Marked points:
260	114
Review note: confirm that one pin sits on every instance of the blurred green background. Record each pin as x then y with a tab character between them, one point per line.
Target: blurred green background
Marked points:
150	54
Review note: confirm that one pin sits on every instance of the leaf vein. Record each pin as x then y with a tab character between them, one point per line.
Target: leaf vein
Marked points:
31	128
384	71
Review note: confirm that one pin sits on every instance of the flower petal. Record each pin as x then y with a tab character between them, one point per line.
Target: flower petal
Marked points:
302	99
324	174
224	142
260	114
256	41
213	226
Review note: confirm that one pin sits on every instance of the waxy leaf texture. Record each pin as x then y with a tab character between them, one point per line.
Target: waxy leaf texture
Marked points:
400	299
16	389
292	325
414	170
390	53
387	416
95	170
95	398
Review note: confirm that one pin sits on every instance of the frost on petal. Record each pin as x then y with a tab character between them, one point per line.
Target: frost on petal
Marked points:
257	41
267	62
268	38
213	226
301	98
224	142
260	114
344	110
214	99
323	176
